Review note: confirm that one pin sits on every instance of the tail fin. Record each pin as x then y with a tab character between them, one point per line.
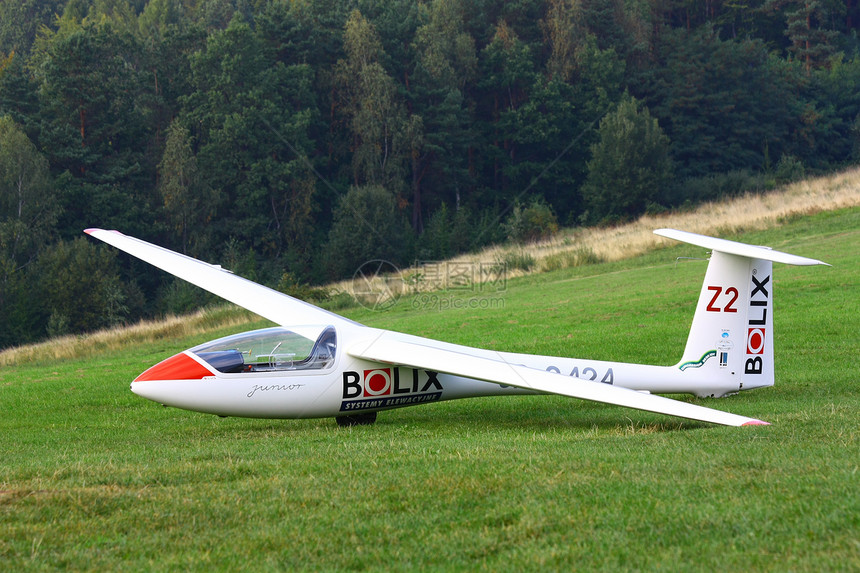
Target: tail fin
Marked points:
730	346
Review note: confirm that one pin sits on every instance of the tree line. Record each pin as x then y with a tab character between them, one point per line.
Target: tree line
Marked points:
292	140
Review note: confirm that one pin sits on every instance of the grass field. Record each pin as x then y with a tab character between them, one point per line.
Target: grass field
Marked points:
93	477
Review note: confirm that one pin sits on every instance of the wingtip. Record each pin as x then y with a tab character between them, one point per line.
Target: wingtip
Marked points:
94	230
811	262
756	423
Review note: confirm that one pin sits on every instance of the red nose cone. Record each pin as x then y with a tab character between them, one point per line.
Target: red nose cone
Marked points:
179	367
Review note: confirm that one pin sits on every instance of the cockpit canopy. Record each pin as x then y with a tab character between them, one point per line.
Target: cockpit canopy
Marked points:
271	349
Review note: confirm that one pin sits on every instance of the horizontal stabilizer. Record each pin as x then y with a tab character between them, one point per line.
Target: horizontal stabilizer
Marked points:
735	248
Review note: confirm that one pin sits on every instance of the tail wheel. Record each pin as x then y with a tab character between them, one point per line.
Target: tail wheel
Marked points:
356	420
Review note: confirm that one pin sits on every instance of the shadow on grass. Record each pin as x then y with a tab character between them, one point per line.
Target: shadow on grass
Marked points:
518	414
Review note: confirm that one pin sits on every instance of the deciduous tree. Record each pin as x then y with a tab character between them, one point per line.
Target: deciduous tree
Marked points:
370	104
28	213
367	226
630	165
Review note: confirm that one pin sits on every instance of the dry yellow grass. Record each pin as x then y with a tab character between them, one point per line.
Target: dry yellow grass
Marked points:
609	244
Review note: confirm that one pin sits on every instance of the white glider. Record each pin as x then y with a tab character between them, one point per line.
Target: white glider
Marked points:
320	364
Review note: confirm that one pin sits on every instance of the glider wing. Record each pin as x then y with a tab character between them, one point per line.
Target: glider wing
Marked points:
427	354
276	306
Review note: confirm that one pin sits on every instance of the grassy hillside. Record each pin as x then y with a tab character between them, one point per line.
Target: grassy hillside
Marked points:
95	478
573	246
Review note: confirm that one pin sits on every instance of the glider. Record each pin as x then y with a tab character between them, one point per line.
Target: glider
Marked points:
319	364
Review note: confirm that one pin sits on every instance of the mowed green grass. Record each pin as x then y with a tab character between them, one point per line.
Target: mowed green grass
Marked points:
93	477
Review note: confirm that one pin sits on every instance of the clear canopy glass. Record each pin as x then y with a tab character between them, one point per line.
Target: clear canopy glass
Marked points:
271	349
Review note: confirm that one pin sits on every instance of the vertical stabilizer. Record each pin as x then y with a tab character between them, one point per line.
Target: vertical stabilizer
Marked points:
730	346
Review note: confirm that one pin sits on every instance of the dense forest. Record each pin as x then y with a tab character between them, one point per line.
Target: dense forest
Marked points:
291	140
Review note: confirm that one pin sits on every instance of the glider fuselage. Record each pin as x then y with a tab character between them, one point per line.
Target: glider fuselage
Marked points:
348	385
